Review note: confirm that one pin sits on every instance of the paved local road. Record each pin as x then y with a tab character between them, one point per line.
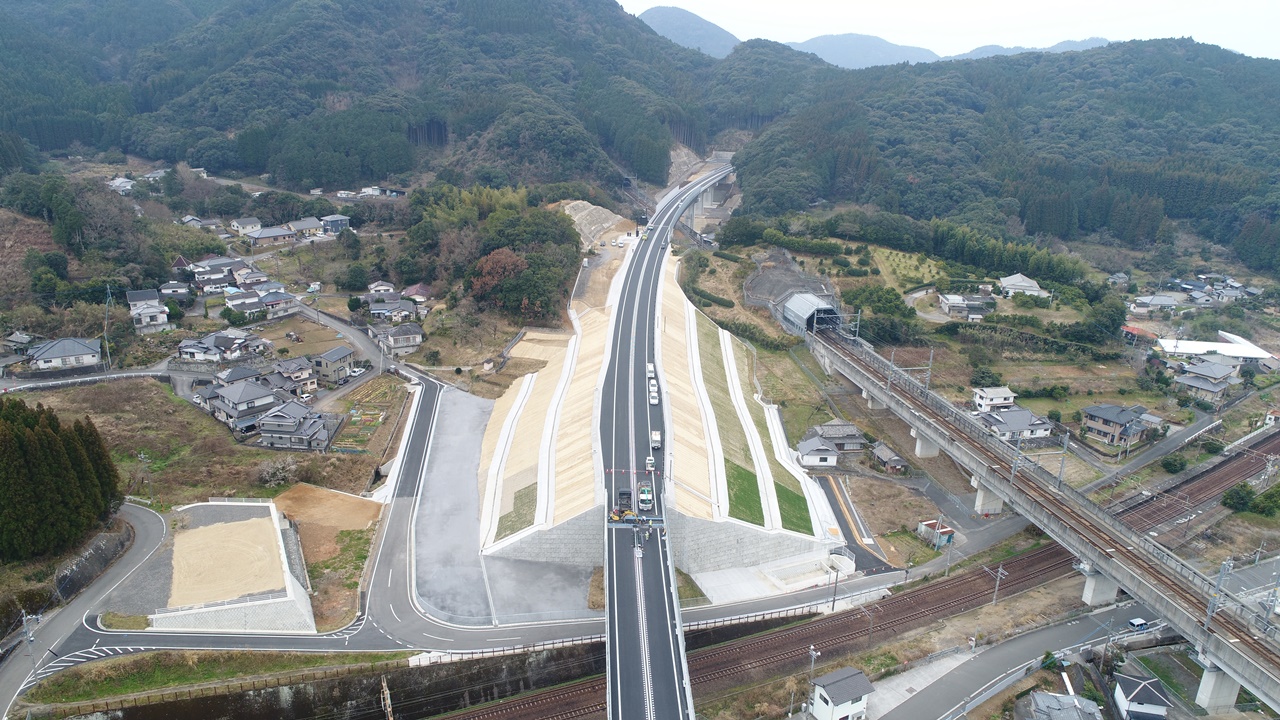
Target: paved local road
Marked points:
993	662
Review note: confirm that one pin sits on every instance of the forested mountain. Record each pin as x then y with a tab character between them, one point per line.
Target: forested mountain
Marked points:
1115	139
684	28
332	92
854	51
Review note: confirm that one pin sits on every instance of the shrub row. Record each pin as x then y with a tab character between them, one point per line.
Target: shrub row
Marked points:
712	297
727	256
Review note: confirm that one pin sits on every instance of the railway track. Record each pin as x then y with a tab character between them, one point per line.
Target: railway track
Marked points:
781	649
1226	626
1204	487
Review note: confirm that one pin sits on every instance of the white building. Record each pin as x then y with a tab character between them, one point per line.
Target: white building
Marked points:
817	451
841	695
1140	697
245	225
64	353
1019	283
993	399
1234	347
149	317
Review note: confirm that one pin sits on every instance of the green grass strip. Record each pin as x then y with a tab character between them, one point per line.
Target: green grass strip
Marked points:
744	494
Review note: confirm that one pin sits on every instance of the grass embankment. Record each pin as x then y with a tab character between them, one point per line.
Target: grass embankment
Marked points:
523	507
116	621
744	489
792	505
161	670
348	564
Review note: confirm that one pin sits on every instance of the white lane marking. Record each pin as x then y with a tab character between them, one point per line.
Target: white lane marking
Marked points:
436	637
392	608
503	639
390	573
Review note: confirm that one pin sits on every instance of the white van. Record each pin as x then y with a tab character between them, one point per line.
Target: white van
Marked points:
1138	624
649	372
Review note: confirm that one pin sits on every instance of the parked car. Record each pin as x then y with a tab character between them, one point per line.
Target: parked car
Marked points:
306	397
653	398
357	372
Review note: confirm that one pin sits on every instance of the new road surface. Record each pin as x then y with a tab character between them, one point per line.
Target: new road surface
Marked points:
647	674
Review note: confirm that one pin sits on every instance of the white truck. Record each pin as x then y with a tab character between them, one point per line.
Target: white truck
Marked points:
655	439
649	371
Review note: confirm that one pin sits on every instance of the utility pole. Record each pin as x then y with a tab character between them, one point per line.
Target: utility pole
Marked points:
813	657
1216	596
834	588
106	318
29	625
999	573
386	699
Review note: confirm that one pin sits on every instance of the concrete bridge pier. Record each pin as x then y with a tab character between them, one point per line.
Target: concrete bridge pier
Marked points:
1218	690
874	404
925	448
987	502
1098	588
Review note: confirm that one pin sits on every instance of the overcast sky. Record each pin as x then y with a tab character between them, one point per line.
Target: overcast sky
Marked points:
951	27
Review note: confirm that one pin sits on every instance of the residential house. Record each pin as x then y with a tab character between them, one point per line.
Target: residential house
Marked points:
1019	283
271	236
149	317
395	311
1140	698
381	286
1048	706
123	186
993	399
295	426
1227	295
306	227
1208	381
817	451
887	460
64	353
179	291
299	371
845	436
1253	291
178	265
222	346
200	173
1199	298
18	341
840	695
236	373
1015	423
278	304
248	275
401	339
245	225
334	224
1118	279
346	193
334	364
141	297
935	533
1144	305
156	175
1115	425
419	293
380	297
240	404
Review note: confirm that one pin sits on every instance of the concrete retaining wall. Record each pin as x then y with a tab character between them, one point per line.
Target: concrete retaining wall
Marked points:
702	545
578	541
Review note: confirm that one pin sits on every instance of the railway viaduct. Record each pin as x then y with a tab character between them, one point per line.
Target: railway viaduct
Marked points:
1235	641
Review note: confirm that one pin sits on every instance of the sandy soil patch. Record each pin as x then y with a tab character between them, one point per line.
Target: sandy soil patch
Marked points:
691	466
226	561
321	514
575	479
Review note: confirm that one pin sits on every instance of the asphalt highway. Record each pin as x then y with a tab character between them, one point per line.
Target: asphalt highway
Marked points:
647	673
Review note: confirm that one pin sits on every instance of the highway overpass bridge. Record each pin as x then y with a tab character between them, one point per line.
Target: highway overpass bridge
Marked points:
1236	641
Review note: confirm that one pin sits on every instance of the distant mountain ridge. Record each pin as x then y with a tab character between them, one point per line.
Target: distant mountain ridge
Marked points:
854	51
848	50
685	28
1064	46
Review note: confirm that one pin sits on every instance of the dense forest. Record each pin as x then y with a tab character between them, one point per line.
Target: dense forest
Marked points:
1117	141
1124	143
57	480
334	92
